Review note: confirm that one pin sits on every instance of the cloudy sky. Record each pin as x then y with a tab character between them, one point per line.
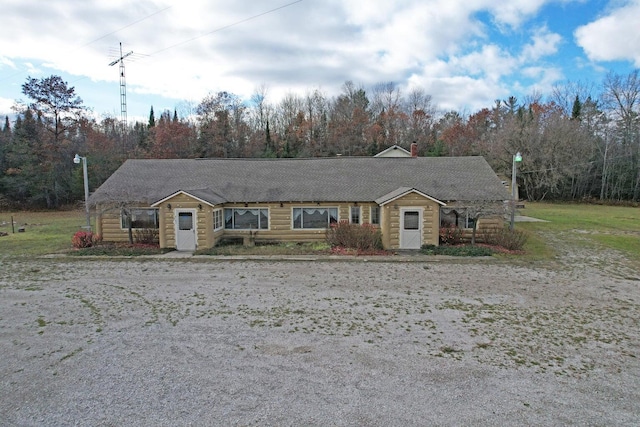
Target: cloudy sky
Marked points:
465	53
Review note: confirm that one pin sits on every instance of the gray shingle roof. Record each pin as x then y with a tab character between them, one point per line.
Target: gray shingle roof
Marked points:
335	179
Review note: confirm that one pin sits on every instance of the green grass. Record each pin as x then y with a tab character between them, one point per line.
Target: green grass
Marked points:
567	216
45	232
610	227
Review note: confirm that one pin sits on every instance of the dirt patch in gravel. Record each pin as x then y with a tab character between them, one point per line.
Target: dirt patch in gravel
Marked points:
419	341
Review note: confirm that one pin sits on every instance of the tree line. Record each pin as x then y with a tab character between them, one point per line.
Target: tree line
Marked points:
579	142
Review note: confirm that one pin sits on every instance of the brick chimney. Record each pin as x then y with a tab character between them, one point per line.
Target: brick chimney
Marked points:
414	149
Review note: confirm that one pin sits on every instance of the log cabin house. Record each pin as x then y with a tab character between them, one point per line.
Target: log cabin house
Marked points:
194	203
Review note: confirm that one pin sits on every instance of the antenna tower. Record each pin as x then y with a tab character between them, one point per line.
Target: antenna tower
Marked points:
123	95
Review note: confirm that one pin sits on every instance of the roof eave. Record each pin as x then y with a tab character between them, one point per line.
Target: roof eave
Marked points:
390	197
186	193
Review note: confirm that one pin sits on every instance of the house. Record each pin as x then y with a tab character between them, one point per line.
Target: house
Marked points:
194	203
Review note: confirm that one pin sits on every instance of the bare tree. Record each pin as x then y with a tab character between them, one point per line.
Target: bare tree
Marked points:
622	96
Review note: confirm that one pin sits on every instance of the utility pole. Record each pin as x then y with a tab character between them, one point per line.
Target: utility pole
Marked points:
123	97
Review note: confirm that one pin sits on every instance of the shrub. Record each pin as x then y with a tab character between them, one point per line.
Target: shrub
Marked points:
363	237
146	235
463	250
512	240
84	239
450	235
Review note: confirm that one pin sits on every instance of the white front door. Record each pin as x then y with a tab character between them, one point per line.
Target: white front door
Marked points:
185	230
410	229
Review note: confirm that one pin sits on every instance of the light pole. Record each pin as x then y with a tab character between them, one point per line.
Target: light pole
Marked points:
516	158
76	160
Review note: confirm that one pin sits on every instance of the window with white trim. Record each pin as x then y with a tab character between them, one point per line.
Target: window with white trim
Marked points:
314	218
246	219
218	222
375	215
140	218
456	218
354	215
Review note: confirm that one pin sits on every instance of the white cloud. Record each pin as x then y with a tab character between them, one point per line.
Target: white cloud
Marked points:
5	108
544	43
455	92
544	79
514	12
6	63
184	50
613	37
491	61
32	70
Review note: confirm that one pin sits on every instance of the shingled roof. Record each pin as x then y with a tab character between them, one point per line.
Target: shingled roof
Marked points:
335	179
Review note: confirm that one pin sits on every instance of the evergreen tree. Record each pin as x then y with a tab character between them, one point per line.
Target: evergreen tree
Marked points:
152	119
57	109
577	109
5	141
269	149
23	175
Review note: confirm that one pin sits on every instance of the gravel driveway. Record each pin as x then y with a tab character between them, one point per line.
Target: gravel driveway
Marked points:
420	341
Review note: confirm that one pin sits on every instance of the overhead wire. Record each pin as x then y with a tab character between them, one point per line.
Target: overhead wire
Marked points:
126	26
142	56
242	21
98	39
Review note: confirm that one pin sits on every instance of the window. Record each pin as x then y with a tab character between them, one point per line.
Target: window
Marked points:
246	219
375	215
314	217
456	218
217	219
140	218
412	220
185	221
355	215
470	221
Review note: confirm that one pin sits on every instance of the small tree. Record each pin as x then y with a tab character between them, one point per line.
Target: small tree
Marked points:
481	208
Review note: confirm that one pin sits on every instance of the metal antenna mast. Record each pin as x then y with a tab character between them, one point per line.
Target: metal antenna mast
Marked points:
123	95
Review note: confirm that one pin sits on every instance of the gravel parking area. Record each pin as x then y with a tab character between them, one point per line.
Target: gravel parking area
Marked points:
171	342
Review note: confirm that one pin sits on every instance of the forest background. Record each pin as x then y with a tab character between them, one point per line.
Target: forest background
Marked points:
580	142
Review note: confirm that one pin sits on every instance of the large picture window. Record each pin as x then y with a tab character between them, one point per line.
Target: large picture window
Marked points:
246	219
456	218
140	218
314	217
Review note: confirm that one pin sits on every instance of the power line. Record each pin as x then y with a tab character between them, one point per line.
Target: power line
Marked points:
126	26
227	26
97	39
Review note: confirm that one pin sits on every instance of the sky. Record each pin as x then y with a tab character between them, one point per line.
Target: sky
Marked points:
464	53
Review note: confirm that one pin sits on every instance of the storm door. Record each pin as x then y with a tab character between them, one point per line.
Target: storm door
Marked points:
185	230
410	229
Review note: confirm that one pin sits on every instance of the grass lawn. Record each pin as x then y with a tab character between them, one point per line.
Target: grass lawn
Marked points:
45	232
610	227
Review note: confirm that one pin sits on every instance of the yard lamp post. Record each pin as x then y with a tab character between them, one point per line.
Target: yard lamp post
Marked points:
516	159
76	160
